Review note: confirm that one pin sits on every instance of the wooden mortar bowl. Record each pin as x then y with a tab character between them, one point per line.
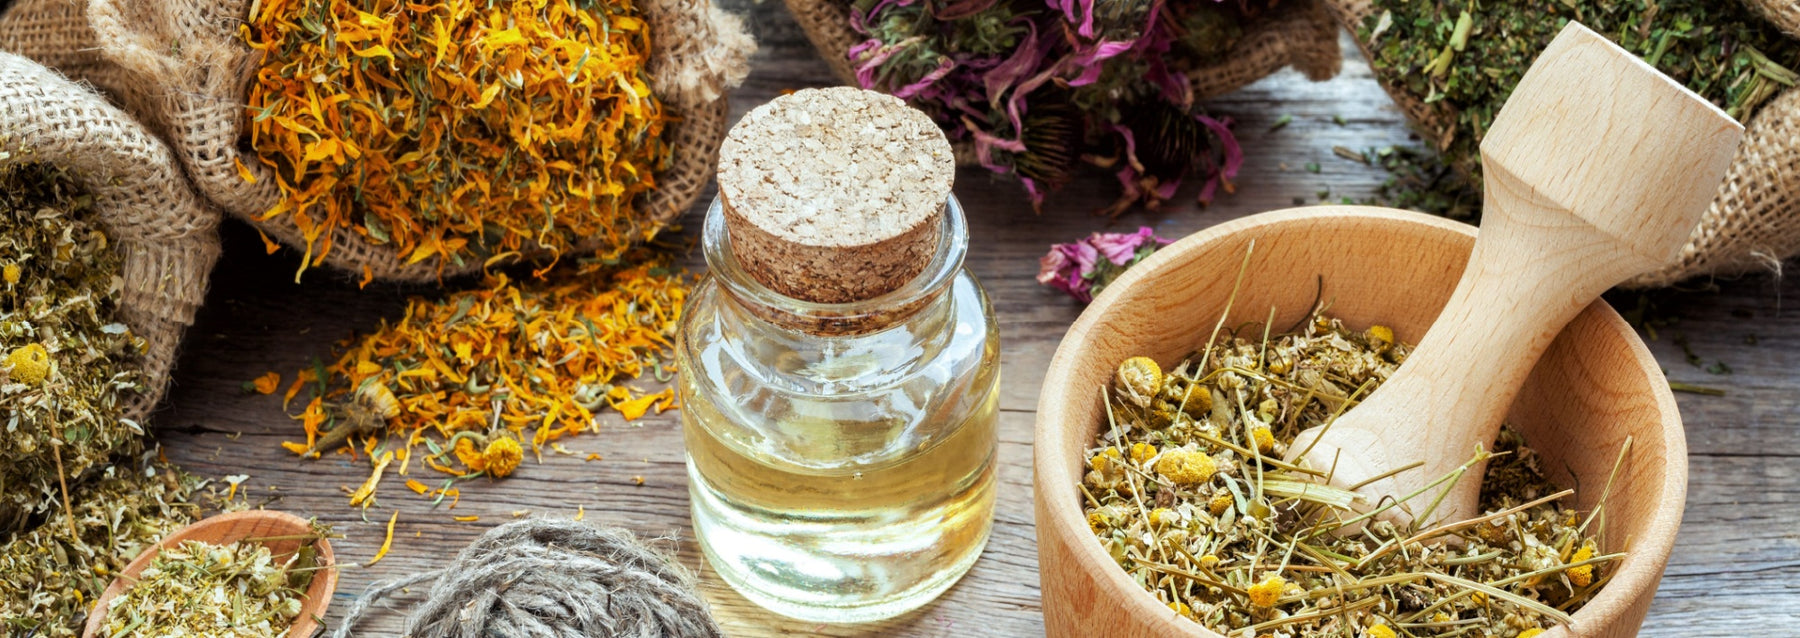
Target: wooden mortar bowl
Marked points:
230	528
1594	386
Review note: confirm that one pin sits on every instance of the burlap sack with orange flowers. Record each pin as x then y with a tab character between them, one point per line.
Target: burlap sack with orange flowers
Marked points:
183	67
166	234
1753	223
1303	36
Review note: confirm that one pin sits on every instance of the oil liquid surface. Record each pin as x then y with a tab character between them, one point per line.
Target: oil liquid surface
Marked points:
854	542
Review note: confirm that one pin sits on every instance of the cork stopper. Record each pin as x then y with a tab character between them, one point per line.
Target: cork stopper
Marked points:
835	195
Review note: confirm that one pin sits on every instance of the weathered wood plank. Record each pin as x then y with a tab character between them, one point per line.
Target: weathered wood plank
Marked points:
1736	568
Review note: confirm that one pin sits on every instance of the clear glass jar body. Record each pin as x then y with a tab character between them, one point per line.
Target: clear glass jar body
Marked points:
840	456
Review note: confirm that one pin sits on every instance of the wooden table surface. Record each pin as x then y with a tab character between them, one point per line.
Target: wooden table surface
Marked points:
1735	569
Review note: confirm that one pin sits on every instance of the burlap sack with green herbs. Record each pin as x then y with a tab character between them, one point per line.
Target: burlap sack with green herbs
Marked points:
183	67
166	238
1303	36
1753	223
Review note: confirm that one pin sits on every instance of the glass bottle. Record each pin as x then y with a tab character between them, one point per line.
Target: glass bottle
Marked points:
840	455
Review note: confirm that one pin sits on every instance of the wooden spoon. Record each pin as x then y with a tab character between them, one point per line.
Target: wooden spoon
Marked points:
1597	169
230	528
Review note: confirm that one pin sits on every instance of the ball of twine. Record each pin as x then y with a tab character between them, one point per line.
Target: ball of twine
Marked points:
552	579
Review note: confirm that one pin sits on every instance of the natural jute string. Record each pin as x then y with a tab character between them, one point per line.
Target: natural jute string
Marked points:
552	579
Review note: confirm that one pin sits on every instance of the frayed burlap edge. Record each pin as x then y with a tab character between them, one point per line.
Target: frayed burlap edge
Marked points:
1784	14
167	235
1302	35
181	67
1753	223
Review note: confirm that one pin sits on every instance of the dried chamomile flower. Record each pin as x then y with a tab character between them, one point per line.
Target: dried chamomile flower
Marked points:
69	366
1265	593
29	364
1138	380
202	590
1199	508
1186	466
1584	575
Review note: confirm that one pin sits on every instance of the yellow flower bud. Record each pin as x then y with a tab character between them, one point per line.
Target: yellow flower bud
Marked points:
1584	575
1141	452
30	364
1265	440
502	456
1138	380
1219	503
1186	467
1264	594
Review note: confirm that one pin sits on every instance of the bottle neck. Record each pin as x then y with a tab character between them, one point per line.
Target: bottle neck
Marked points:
901	305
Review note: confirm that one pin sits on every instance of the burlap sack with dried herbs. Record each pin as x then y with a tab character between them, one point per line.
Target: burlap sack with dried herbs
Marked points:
184	67
1036	90
1303	36
1753	223
163	232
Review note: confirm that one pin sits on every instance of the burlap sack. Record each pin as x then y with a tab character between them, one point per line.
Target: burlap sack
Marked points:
181	67
167	235
1781	13
1753	222
1302	36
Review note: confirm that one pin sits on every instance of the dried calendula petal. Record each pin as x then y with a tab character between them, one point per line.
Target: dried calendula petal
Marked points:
1138	380
1379	631
457	130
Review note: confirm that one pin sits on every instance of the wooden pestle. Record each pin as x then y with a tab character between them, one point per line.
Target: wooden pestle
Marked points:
1597	169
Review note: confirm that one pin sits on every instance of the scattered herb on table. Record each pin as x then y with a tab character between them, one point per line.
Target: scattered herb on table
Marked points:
463	379
50	578
1086	266
468	130
1418	179
1038	87
201	590
67	364
1186	491
1464	58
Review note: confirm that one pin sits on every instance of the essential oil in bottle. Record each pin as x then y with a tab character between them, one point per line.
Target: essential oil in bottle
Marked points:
839	368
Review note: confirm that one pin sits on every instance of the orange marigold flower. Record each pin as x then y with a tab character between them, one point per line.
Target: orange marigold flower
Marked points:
502	456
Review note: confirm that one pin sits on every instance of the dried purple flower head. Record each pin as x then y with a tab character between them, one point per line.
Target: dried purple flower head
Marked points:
1036	86
1084	267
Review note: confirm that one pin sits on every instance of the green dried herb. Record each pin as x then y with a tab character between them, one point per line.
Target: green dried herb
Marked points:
1186	491
1418	179
49	578
1464	58
202	590
69	364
